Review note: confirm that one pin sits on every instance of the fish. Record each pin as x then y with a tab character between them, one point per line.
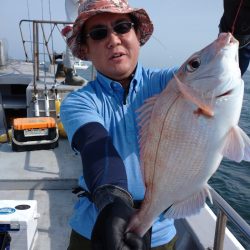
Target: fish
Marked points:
186	130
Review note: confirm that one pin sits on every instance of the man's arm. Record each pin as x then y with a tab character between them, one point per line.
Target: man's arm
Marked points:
105	175
101	162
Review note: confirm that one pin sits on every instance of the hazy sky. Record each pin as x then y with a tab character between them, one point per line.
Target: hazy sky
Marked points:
181	27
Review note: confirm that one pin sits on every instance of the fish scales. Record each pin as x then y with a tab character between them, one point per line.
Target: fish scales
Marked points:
186	131
150	133
184	145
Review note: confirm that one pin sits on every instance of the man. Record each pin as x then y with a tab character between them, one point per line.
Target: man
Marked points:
100	120
66	67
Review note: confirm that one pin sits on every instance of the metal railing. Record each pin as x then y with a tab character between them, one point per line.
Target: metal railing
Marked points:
54	25
39	32
226	212
47	40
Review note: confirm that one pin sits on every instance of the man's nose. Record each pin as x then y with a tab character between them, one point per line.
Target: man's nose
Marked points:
113	39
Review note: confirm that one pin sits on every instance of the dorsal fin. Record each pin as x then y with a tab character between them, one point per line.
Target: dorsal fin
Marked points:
143	120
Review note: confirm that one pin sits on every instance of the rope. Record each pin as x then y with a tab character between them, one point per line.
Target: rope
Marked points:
236	16
52	41
46	96
28	9
44	41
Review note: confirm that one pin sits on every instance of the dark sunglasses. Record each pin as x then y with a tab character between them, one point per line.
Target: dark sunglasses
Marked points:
102	32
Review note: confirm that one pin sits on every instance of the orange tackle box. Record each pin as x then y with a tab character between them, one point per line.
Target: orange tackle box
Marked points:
34	133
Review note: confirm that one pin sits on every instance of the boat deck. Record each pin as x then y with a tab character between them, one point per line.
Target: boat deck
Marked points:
55	208
40	169
48	177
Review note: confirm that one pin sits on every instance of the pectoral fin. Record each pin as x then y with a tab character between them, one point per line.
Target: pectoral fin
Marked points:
237	145
190	206
193	96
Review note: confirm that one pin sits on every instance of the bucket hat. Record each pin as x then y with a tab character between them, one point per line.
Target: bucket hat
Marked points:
91	8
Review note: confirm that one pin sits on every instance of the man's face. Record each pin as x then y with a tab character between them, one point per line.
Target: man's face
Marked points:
115	55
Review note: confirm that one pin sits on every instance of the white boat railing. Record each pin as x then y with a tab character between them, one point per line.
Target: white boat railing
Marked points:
34	37
42	34
226	212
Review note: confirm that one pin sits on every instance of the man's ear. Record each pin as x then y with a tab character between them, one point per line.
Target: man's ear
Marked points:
138	34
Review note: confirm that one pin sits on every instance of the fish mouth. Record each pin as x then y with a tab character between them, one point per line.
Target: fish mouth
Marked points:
227	38
229	92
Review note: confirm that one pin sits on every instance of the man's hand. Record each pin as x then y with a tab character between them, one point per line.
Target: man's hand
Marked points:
109	232
236	19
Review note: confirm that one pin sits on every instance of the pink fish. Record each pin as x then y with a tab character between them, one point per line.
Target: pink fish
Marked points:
187	129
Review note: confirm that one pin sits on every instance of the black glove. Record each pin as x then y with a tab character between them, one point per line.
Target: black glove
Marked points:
109	230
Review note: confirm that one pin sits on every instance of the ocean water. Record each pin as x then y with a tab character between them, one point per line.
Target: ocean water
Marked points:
88	73
232	179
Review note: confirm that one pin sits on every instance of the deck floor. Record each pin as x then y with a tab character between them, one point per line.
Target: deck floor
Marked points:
55	208
47	176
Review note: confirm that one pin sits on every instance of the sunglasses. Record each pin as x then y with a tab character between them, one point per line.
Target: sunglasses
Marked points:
102	32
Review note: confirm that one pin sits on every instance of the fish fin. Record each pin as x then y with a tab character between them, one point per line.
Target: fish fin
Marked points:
237	145
193	96
143	118
190	206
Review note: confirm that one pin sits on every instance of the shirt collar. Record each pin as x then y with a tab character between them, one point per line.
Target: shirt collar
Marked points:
108	83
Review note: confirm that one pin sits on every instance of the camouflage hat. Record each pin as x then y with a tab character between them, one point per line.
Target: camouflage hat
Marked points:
91	8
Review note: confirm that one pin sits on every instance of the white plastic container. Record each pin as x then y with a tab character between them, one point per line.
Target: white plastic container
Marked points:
20	216
3	52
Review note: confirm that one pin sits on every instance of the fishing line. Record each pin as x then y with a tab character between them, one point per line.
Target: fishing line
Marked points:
52	41
165	48
44	42
236	16
160	42
46	93
42	8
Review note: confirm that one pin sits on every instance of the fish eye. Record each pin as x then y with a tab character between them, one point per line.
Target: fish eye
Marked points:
193	64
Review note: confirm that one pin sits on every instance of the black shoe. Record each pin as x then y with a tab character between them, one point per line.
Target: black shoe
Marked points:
60	73
73	79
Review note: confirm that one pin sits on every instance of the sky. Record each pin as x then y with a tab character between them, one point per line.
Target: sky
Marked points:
181	27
